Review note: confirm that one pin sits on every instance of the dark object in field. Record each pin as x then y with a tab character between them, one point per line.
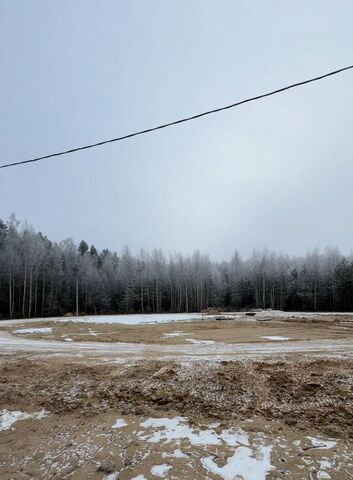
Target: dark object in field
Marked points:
107	466
250	314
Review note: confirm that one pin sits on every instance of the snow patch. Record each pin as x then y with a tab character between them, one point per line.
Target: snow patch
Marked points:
176	454
323	474
34	330
247	462
275	337
243	464
135	319
322	442
177	429
119	423
200	342
176	334
8	418
111	476
160	470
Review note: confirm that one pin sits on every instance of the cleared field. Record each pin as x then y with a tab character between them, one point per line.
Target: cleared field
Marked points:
238	406
241	330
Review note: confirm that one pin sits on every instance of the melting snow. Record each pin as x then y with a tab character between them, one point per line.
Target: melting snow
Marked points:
135	319
119	423
200	342
243	464
325	464
34	330
139	477
323	474
176	334
7	418
111	476
176	454
160	470
322	442
176	429
275	337
248	462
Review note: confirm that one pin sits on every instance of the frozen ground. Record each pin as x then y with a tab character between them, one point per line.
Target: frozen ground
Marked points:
200	408
156	336
34	330
137	319
132	319
230	420
275	337
170	448
198	350
8	418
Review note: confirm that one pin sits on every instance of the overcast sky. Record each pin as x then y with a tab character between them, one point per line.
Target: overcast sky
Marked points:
275	173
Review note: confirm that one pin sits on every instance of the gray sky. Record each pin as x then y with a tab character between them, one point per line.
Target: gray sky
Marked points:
275	173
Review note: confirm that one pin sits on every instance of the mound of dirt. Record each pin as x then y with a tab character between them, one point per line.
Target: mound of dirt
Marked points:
306	393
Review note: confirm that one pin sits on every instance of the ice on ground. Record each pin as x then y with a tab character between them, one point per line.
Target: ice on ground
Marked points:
322	442
200	342
119	423
321	474
135	319
139	477
232	438
275	337
8	418
248	461
325	464
243	464
176	429
34	330
68	340
176	334
160	470
111	476
176	454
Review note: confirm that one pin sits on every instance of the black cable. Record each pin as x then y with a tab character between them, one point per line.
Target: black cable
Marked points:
182	120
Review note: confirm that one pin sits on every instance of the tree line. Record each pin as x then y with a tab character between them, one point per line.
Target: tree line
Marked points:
39	278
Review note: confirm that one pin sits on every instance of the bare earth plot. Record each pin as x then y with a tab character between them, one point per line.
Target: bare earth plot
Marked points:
241	398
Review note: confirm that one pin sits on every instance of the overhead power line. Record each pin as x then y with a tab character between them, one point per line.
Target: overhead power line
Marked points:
181	120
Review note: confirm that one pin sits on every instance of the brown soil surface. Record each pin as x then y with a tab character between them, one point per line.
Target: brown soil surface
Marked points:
308	394
176	333
288	400
279	402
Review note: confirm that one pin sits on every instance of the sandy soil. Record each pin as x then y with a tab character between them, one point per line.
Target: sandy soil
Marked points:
243	330
287	415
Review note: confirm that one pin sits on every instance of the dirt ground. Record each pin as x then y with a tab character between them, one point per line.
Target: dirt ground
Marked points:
282	417
227	331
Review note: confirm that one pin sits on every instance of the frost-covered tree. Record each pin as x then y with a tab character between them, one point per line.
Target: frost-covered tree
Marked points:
39	277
